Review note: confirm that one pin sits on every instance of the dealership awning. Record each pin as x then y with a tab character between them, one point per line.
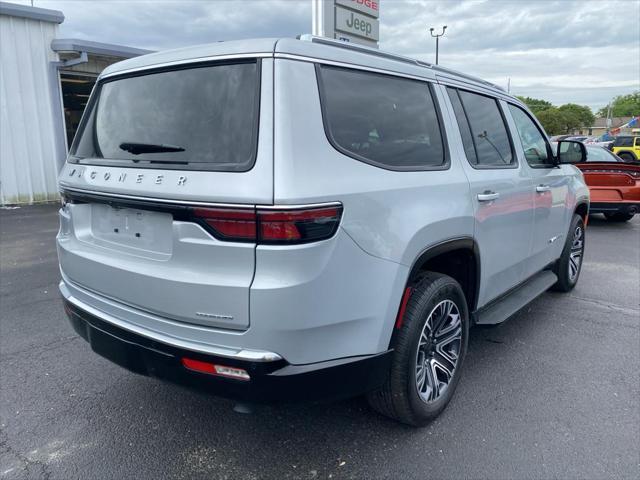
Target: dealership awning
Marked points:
70	45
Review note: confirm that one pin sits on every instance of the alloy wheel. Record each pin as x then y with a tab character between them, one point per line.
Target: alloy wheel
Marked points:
438	351
577	250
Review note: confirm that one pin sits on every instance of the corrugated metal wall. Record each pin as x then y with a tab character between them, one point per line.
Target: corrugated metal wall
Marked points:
28	122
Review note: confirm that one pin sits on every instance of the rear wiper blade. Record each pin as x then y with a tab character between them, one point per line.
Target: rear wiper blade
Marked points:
138	148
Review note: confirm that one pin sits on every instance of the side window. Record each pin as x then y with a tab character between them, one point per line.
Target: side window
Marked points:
388	121
463	124
488	128
535	146
480	118
637	141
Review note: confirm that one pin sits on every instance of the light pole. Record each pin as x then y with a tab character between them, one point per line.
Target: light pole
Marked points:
437	37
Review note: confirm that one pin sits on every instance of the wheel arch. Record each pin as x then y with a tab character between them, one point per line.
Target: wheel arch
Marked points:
582	209
630	152
459	258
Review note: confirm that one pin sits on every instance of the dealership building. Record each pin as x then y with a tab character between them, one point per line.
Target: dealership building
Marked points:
45	82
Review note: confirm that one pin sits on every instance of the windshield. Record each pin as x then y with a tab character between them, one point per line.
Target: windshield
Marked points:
203	118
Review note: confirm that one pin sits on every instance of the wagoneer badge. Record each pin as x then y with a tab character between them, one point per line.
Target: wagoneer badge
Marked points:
157	179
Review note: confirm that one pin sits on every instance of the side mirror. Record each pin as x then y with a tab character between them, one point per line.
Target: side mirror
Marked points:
570	151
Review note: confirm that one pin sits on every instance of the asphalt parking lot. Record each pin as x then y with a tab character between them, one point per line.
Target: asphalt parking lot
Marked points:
552	393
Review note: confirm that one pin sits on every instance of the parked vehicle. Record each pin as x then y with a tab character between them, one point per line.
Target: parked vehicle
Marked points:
557	138
627	147
602	144
304	219
614	185
578	138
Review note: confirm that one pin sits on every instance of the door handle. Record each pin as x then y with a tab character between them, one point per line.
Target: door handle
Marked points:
488	196
543	188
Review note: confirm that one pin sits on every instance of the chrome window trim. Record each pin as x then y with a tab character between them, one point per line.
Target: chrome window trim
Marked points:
64	189
435	78
177	63
355	66
453	82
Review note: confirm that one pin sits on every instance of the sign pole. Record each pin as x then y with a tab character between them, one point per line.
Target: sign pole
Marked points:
323	18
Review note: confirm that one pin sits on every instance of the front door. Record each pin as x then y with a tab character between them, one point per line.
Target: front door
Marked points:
500	190
549	189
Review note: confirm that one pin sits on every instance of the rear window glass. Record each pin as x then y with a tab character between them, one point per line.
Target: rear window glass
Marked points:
384	120
598	154
203	118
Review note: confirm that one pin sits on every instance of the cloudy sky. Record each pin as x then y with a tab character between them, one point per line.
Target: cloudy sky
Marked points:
563	51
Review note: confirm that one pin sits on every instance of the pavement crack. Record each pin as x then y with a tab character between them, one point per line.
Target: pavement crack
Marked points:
608	306
28	465
35	349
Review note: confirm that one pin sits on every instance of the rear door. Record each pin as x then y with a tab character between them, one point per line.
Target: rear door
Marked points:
550	189
160	157
500	192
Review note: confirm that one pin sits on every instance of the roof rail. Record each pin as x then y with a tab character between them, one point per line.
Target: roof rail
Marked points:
396	57
362	49
468	77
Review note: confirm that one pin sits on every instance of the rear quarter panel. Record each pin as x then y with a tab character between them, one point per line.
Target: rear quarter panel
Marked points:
391	215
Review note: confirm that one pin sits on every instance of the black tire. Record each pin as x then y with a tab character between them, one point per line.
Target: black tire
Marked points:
566	270
399	398
618	217
627	157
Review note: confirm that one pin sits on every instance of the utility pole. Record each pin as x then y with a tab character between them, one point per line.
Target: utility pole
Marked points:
437	37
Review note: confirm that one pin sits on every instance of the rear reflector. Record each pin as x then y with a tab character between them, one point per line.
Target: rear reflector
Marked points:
403	307
273	227
214	369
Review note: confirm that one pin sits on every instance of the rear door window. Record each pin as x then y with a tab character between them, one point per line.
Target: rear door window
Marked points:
463	124
203	118
387	121
480	117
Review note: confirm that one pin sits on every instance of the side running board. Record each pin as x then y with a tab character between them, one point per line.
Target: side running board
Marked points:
503	308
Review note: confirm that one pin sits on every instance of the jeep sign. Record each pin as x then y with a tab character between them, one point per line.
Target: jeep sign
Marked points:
355	21
357	24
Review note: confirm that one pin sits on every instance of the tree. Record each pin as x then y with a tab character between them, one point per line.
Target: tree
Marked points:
576	116
535	104
623	106
553	120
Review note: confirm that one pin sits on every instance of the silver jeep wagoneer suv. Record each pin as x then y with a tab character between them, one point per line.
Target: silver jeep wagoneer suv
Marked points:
305	219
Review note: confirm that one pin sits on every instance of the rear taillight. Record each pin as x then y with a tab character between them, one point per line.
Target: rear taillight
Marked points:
298	226
270	226
227	224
